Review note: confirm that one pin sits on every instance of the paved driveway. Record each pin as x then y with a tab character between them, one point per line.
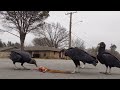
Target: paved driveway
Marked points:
89	72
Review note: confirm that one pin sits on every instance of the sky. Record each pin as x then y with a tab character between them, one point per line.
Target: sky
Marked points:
96	26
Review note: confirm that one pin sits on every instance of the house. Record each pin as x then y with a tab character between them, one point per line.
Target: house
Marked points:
36	52
5	51
44	52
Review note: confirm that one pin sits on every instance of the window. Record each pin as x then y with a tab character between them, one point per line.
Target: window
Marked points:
36	55
54	52
44	54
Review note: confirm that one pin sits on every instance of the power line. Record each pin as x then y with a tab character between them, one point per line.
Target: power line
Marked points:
79	37
9	32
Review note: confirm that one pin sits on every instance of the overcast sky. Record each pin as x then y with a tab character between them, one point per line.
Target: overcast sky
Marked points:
97	26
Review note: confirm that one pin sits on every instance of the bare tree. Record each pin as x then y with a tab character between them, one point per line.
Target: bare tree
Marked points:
113	47
24	21
16	44
55	34
113	51
78	43
9	43
1	43
92	51
42	42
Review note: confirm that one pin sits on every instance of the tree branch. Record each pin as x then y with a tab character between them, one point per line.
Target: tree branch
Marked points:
9	32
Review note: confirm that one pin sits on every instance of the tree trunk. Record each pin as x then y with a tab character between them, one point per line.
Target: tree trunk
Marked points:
22	39
56	46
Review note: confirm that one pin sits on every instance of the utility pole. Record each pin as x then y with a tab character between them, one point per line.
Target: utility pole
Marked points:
70	27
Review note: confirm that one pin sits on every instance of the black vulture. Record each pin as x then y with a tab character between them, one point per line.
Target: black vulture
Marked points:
21	57
106	58
78	55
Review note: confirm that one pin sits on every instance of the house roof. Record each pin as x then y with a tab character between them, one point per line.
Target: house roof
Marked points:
42	48
32	48
7	48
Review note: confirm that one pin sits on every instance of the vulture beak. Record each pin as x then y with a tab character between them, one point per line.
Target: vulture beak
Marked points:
33	62
36	65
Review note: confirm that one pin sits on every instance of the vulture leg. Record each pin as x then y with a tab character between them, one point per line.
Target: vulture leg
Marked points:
74	71
24	66
77	65
105	70
83	66
78	68
109	71
15	66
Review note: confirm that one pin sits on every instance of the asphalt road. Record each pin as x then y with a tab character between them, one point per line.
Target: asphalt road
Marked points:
89	72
